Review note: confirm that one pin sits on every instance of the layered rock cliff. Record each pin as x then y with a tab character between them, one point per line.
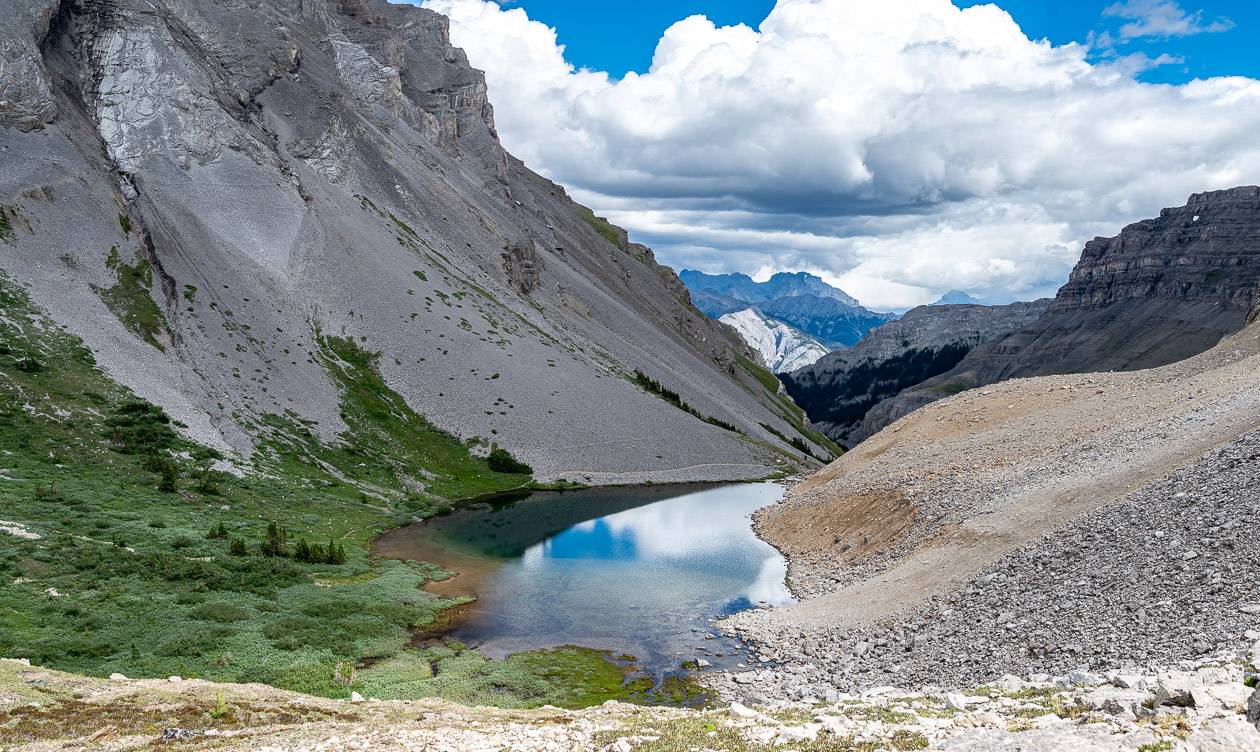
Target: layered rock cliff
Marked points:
1162	290
208	192
841	388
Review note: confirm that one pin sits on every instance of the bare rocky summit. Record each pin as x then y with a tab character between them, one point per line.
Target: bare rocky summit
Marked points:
799	299
204	191
782	347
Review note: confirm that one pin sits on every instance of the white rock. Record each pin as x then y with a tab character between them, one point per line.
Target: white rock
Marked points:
1009	683
1229	696
117	677
356	697
1231	734
794	734
742	711
1174	689
956	701
1128	681
782	346
1078	678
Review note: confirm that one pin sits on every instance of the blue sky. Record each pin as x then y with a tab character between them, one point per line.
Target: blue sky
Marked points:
619	35
897	148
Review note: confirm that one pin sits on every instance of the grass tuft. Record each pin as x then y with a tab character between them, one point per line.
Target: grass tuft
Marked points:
131	299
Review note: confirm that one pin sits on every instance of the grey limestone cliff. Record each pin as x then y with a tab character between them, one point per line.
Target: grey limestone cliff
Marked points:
205	191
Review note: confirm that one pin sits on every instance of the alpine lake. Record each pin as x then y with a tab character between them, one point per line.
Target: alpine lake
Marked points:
639	572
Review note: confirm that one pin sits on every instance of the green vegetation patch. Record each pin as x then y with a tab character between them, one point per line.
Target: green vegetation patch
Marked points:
762	375
712	731
131	299
71	718
502	461
567	677
387	448
792	412
652	386
137	556
603	227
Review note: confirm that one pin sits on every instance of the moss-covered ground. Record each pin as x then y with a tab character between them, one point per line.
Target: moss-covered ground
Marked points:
125	548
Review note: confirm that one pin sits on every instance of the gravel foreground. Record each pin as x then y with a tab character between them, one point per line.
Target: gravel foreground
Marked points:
1200	707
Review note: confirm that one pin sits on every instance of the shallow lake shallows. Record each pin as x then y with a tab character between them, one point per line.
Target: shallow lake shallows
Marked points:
638	571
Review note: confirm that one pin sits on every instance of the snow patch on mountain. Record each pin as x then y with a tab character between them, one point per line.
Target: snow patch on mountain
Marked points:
782	346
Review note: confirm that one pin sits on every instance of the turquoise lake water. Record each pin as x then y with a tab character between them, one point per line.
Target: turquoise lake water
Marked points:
639	571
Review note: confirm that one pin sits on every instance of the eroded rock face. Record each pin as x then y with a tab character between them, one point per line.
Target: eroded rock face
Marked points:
1207	251
839	390
26	98
521	263
781	346
293	169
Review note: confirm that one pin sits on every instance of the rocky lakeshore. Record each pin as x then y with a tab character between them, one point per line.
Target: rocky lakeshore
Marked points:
1024	531
1166	574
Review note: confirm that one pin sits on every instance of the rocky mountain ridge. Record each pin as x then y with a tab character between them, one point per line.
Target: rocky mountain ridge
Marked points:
1162	290
839	389
957	297
800	299
832	321
205	193
780	285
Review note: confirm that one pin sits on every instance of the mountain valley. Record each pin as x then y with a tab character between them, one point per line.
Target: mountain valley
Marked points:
327	423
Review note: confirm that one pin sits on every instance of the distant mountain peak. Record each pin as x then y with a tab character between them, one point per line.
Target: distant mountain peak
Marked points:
957	297
780	285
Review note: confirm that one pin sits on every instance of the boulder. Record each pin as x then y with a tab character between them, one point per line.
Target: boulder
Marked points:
1231	734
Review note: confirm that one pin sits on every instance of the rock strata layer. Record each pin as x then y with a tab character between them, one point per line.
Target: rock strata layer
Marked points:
1162	290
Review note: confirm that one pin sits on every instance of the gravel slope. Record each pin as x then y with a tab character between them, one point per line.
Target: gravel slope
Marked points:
1038	526
918	509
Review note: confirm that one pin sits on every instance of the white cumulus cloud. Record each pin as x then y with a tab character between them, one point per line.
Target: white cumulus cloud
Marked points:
899	148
